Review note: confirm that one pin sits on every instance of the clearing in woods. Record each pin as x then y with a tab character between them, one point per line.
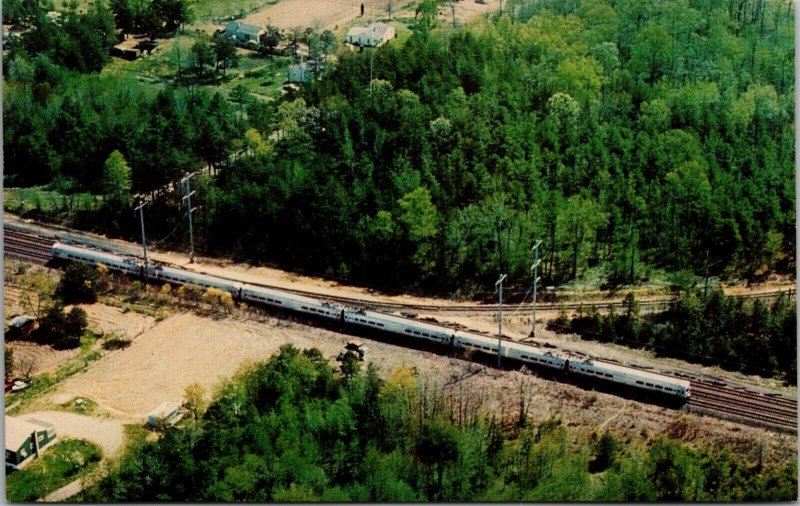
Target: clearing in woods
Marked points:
329	14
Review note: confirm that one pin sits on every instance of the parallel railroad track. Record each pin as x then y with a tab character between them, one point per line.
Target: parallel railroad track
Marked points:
707	396
37	248
27	246
744	405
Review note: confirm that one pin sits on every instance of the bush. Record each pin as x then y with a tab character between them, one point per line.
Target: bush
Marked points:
63	330
78	285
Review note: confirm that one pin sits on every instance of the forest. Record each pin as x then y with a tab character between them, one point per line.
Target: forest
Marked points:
703	327
627	135
294	429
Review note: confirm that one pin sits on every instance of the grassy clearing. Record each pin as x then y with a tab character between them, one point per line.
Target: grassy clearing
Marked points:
209	10
79	405
257	74
42	199
59	465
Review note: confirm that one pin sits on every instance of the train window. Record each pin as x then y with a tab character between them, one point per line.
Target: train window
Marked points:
649	384
609	376
640	382
304	307
408	331
659	387
381	325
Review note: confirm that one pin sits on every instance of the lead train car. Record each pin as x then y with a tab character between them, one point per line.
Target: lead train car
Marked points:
75	254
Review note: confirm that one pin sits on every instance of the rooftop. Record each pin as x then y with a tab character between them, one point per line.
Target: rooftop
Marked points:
18	430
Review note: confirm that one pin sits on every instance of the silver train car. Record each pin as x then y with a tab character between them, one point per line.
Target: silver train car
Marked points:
77	254
285	300
569	363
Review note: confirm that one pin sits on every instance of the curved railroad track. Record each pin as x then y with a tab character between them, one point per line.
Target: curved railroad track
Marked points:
708	396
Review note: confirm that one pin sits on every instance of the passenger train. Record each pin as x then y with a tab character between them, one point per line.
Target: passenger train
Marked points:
568	363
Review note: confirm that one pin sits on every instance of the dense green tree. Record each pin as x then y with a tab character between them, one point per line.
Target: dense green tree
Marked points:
79	284
117	178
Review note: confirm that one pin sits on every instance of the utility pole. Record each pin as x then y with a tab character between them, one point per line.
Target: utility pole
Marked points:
188	199
142	203
535	273
500	318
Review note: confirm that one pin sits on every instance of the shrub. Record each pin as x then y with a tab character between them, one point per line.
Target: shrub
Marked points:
79	284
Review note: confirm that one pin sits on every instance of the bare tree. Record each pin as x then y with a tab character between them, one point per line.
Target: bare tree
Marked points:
452	5
524	390
38	289
26	365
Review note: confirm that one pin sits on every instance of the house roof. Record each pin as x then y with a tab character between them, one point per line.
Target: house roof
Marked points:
356	30
164	409
378	29
20	321
18	431
235	26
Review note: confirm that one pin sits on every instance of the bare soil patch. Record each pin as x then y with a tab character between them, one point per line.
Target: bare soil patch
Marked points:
113	320
329	14
325	14
44	359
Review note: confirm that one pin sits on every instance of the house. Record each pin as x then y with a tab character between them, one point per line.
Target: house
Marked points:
26	439
166	413
373	35
243	33
20	326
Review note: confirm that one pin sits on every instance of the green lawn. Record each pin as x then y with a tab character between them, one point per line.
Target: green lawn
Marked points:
216	9
59	465
39	198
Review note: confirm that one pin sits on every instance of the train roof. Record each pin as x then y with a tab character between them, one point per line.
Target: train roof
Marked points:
190	275
641	373
96	253
283	295
407	321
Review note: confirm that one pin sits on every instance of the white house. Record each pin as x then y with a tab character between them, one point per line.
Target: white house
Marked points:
373	35
244	33
166	413
26	439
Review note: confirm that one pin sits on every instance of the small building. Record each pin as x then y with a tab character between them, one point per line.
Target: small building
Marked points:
26	439
20	326
299	73
244	33
374	35
166	413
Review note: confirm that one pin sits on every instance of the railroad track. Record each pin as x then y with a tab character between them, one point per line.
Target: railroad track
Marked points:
743	405
37	248
708	397
25	246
